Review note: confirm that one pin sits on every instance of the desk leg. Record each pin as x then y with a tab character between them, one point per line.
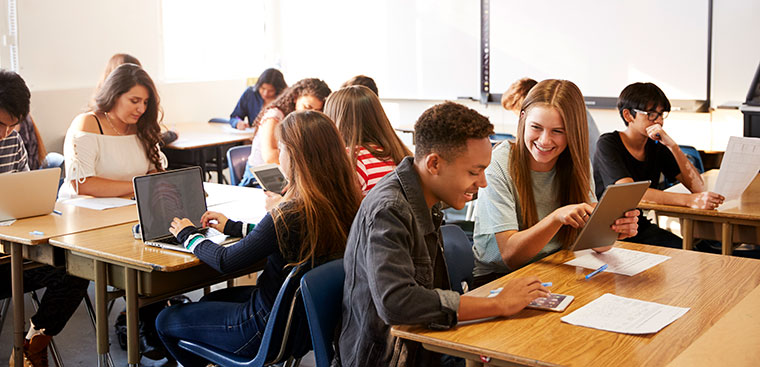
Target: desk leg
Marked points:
202	162
219	165
17	292
687	231
101	316
133	349
727	237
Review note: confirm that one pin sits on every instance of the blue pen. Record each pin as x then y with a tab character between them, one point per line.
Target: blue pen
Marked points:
57	212
547	284
597	271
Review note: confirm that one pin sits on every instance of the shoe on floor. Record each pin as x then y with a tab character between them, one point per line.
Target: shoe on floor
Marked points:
35	352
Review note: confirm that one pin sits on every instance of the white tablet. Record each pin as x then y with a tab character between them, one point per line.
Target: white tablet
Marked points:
616	200
270	177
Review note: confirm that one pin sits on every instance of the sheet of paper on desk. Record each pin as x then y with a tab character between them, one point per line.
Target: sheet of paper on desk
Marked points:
624	315
99	203
739	166
7	223
618	260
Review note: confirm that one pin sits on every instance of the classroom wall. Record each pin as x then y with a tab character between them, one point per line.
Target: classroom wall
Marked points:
64	62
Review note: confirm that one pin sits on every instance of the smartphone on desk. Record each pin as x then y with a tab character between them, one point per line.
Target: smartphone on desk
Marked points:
555	302
270	177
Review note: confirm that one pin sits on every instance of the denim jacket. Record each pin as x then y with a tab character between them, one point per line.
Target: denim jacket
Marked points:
395	274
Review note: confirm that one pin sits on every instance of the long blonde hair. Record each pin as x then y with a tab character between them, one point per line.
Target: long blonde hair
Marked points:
323	192
362	122
573	175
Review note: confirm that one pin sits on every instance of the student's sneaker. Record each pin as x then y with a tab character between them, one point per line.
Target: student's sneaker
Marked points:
35	352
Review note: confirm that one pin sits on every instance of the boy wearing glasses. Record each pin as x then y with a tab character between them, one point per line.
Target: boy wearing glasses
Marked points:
643	151
64	292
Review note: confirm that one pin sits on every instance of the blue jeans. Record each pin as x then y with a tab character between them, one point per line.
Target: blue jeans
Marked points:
248	179
225	319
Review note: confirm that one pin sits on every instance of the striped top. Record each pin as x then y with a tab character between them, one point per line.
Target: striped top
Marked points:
369	169
12	154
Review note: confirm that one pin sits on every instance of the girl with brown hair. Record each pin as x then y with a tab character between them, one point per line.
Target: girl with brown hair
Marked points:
540	189
309	225
373	146
306	94
116	140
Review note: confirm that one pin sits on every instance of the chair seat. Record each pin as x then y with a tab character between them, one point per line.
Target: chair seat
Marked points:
219	357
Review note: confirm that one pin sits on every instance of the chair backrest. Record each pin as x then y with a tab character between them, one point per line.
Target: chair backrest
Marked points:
276	344
236	160
322	292
694	157
459	258
499	137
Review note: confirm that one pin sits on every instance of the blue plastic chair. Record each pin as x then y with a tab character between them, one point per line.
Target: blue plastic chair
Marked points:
499	137
276	344
322	292
694	157
236	160
459	258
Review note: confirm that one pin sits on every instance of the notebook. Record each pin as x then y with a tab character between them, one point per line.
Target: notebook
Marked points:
29	193
165	195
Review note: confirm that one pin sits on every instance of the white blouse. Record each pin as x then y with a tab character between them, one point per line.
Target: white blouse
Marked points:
107	156
256	158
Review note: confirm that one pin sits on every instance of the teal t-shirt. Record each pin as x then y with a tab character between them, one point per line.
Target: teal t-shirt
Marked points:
499	211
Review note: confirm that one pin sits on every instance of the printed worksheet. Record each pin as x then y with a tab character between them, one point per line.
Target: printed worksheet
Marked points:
739	166
618	260
99	203
624	315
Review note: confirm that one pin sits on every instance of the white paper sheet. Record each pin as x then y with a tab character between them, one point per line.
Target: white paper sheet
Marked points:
7	223
99	203
624	315
739	166
618	260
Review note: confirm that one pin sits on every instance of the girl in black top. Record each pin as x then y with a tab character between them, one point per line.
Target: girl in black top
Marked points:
309	223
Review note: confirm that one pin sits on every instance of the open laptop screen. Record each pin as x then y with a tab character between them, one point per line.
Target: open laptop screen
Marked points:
163	196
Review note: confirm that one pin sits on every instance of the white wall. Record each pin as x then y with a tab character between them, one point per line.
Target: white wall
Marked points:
64	47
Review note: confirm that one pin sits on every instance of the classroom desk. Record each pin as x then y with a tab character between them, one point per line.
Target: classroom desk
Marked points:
735	221
111	256
196	137
709	284
22	244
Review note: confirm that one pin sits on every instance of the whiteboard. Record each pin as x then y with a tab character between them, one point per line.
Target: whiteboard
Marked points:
421	49
602	46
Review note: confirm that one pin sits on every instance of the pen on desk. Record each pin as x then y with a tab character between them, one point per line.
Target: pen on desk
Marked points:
597	271
57	212
546	284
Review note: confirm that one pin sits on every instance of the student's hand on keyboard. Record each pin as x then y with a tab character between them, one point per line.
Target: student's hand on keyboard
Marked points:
179	224
214	220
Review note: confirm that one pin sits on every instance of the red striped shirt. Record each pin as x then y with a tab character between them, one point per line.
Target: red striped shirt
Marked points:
369	169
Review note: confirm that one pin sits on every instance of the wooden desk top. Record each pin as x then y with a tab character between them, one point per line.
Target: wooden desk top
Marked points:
194	135
73	219
747	207
116	243
732	341
709	284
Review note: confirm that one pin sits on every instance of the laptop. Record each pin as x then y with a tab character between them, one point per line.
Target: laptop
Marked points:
165	195
29	193
615	201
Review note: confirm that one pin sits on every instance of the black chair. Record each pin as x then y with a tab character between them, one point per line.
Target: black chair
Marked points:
459	257
276	344
322	293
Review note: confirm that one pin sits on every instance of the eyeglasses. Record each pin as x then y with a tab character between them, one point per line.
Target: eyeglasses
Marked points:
653	115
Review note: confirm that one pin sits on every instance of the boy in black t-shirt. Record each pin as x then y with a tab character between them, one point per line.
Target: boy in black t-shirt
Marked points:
642	152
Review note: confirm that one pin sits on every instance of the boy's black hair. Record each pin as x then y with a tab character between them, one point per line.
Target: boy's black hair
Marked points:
445	129
14	94
641	96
